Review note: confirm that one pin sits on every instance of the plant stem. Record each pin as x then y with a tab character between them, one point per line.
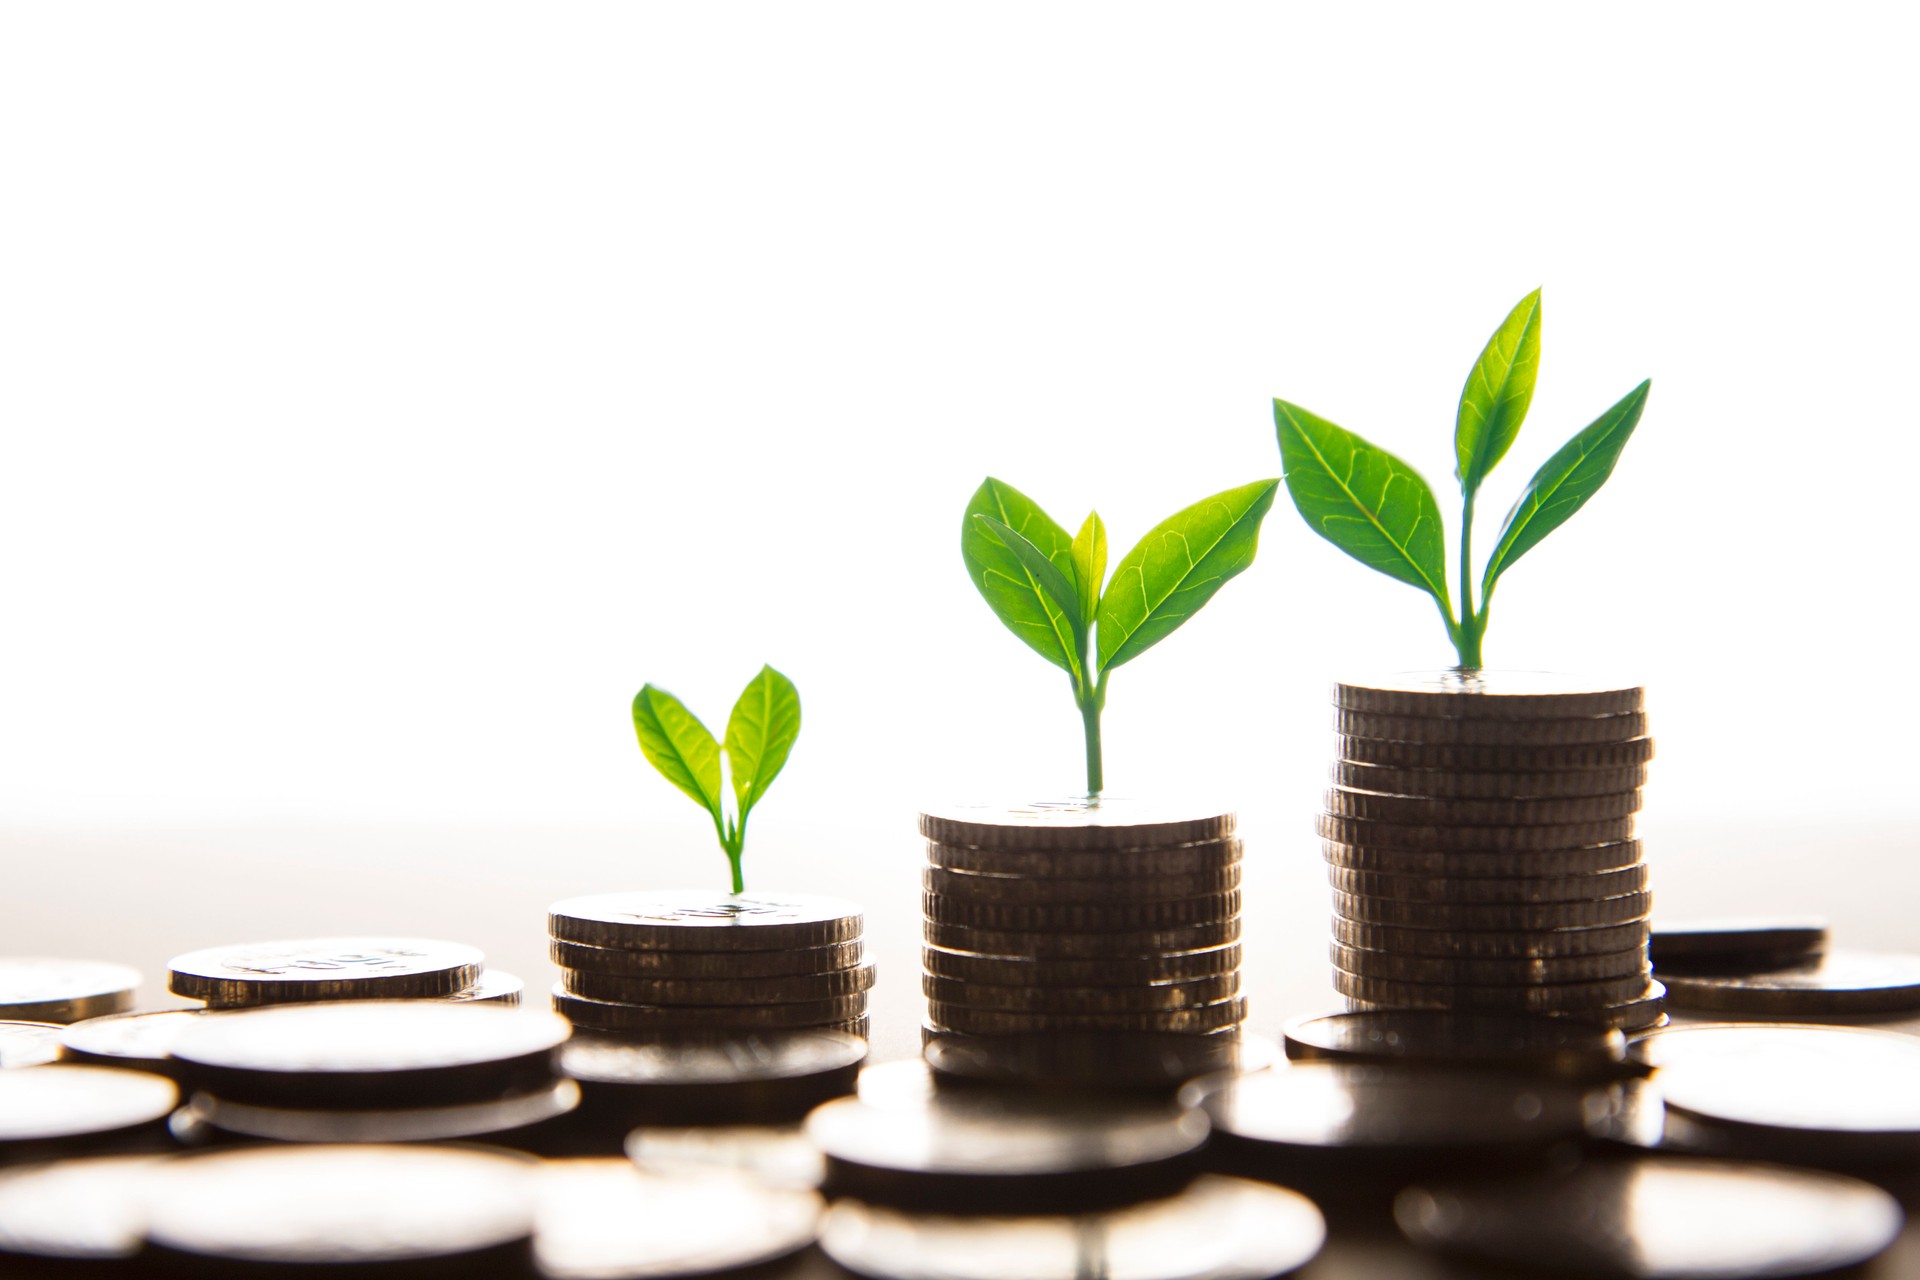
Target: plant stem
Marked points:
1090	721
1466	637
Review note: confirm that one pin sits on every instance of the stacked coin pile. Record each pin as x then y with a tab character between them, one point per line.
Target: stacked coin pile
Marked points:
1081	916
1479	839
248	974
677	964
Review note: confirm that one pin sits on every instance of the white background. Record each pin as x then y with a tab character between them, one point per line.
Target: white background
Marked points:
389	389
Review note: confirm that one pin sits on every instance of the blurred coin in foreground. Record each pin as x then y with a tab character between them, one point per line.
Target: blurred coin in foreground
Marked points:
74	1215
1838	982
71	1110
28	1044
1653	1218
45	989
773	1155
1520	1043
1215	1229
324	969
142	1041
505	1120
766	1078
688	919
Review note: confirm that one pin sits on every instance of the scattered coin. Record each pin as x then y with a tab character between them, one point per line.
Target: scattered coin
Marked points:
1595	913
620	988
1568	997
1491	695
1489	785
1088	864
141	1041
496	986
1018	971
1512	1042
1655	1218
1079	1062
974	886
1588	860
1397	966
73	1215
1062	945
1474	758
1583	731
42	989
324	969
1537	943
1448	839
368	1053
1838	982
607	1015
1218	1016
494	1120
28	1044
1215	1229
303	1208
1448	811
772	1155
1107	822
675	919
601	1219
1082	917
1145	998
997	1151
1468	889
703	966
769	1078
66	1110
1737	941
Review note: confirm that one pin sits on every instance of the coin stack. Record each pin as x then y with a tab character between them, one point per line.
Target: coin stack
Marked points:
245	975
1081	916
1479	836
672	964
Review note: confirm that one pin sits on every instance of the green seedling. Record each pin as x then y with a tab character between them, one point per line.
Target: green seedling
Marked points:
1378	510
760	734
1046	586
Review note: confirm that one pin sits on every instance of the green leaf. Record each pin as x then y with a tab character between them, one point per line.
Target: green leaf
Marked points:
760	734
1013	593
1494	402
1363	500
678	745
1090	564
1177	567
1564	483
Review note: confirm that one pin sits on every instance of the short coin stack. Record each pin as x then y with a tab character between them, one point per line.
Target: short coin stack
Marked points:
1080	916
668	964
305	970
1479	839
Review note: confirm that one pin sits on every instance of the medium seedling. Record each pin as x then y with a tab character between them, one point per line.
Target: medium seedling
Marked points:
760	734
1378	510
1047	586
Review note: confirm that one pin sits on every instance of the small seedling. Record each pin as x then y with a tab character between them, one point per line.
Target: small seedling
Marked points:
1046	586
1378	510
760	734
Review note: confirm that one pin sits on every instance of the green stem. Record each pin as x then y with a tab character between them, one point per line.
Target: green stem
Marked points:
1090	721
1466	636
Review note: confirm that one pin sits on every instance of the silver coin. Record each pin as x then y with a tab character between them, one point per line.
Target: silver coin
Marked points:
43	989
496	986
75	1213
142	1041
324	969
1076	822
59	1102
604	1218
489	1120
1736	941
693	920
1838	982
28	1044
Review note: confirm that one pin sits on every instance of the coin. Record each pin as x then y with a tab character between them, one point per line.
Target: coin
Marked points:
603	1218
492	1120
702	966
625	990
1491	695
496	986
973	886
1658	1218
142	1041
28	1044
1089	864
766	1077
1585	731
1594	913
1517	971
1536	943
1551	862
690	919
40	989
1082	917
1146	998
1490	785
1565	997
607	1015
61	1110
1838	982
1448	811
73	1216
1096	944
996	1151
1011	971
371	1053
1494	758
1450	1038
967	1020
772	1155
1469	889
1736	941
1215	1229
1105	822
1091	1061
1464	839
324	969
1631	1016
319	1206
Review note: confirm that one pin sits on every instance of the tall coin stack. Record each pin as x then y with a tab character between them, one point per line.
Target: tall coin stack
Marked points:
669	964
1077	916
1479	836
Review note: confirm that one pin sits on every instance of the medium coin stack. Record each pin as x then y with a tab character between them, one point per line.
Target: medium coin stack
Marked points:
1479	836
1081	916
667	964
